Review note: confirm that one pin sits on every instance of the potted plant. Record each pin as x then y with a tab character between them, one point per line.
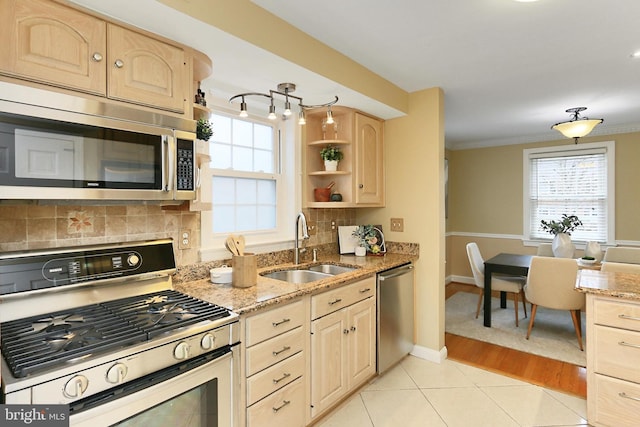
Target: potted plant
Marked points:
203	129
562	246
331	156
370	238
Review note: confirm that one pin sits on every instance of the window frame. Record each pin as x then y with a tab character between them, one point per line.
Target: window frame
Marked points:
287	135
609	147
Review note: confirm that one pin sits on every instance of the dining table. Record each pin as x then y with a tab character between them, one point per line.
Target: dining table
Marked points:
503	263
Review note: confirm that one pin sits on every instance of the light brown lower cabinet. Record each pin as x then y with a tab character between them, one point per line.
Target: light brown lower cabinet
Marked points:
613	357
342	344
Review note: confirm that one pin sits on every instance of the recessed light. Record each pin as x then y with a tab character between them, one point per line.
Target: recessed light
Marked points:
635	54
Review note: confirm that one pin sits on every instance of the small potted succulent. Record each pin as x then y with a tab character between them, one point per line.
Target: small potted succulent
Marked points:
561	245
331	156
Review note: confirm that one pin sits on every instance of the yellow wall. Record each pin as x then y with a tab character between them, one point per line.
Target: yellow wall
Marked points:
485	197
414	162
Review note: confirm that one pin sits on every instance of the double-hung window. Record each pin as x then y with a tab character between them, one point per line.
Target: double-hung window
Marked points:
252	186
573	180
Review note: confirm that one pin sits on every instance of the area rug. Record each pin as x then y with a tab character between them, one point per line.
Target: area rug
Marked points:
553	335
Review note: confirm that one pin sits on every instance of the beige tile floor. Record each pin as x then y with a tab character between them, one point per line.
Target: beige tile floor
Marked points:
421	393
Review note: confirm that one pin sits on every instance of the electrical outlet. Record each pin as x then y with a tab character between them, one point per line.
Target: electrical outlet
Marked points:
311	228
397	224
333	224
184	242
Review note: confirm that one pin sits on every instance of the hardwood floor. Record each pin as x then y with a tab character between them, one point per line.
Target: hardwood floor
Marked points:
550	373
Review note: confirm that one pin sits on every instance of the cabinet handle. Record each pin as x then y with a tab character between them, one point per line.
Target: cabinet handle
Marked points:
346	331
337	300
96	57
624	316
284	403
353	329
285	348
626	344
365	290
361	186
283	377
118	63
626	396
285	320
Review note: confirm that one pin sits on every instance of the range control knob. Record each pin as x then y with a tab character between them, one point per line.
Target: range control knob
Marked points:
208	341
181	352
117	373
133	260
75	387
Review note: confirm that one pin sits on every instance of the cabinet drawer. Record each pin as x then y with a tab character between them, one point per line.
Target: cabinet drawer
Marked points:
267	353
284	408
334	300
274	378
616	313
617	402
618	352
274	322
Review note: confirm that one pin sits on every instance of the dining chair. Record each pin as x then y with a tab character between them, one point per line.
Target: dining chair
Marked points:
545	249
503	283
620	267
622	254
551	284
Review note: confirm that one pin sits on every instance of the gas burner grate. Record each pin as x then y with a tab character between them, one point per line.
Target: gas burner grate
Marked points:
165	311
40	342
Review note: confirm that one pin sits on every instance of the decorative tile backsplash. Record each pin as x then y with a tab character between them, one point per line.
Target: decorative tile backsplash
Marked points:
32	226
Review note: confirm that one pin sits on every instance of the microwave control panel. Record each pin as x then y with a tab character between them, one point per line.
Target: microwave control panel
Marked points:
185	166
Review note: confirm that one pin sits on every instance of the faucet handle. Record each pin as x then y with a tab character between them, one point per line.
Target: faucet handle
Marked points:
315	254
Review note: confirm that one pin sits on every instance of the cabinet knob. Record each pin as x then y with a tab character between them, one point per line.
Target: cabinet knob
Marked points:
97	57
353	329
118	63
361	186
345	331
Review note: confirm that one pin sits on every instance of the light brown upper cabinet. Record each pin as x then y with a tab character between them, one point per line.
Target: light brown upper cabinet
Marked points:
359	178
50	43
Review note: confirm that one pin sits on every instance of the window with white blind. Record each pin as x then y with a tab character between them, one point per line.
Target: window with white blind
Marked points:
573	180
251	180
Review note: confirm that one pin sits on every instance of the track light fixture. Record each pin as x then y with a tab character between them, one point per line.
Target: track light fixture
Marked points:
577	126
284	89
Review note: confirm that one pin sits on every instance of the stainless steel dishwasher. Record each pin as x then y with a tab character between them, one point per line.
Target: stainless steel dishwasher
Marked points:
395	315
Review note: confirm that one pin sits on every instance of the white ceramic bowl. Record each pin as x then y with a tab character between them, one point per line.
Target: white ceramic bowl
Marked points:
221	275
587	261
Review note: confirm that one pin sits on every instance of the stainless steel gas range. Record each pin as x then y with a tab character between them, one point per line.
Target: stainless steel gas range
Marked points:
99	328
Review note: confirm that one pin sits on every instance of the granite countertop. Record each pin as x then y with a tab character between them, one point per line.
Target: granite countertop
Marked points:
612	284
269	292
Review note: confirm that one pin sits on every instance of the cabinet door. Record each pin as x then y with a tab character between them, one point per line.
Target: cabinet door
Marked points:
369	163
361	320
145	71
328	361
47	42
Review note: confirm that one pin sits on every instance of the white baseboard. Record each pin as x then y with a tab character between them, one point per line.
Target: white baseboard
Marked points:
429	354
462	279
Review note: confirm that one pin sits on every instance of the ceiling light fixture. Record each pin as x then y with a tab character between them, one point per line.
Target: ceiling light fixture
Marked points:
284	89
577	126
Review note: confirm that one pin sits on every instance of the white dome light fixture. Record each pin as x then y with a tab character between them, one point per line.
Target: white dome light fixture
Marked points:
576	127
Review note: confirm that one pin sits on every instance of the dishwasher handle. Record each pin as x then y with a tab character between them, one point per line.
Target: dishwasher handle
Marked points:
395	272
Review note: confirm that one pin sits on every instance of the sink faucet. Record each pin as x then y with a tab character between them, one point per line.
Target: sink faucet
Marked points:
305	235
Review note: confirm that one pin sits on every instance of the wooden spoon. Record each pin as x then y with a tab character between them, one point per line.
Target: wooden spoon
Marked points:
231	245
239	241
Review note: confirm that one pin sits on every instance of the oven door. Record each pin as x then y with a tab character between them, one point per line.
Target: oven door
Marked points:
200	396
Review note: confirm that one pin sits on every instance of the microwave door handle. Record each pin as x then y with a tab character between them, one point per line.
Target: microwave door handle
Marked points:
167	163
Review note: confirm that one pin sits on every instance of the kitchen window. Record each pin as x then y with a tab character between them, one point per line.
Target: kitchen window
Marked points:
251	177
573	180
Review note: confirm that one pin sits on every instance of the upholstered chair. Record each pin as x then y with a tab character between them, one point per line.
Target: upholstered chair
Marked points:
503	283
551	283
620	267
544	249
622	254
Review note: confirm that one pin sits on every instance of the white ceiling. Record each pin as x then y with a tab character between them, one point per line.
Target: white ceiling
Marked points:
508	69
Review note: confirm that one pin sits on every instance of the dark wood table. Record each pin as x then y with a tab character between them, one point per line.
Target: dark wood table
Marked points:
513	264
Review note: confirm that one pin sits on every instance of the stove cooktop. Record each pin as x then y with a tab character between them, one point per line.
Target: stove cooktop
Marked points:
38	343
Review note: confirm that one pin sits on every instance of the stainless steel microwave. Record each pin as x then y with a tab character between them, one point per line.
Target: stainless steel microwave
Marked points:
59	146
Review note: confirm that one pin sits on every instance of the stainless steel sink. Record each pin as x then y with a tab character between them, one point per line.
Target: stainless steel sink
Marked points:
297	276
309	274
332	269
